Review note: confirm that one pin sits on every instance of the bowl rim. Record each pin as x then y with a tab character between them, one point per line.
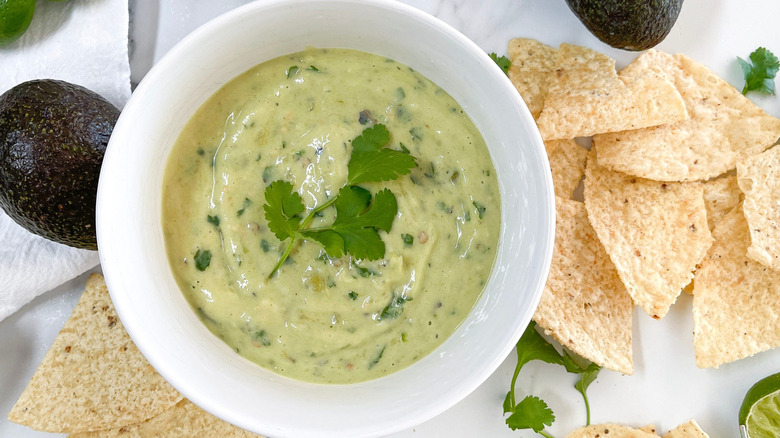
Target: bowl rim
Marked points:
111	267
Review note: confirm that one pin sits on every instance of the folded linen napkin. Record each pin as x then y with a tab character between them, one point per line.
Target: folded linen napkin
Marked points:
83	42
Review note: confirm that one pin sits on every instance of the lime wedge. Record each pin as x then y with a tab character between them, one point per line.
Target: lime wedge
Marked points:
759	416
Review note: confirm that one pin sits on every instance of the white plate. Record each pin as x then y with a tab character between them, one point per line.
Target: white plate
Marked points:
666	389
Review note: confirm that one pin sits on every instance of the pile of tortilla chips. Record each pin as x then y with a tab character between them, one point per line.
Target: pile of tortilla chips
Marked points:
94	382
681	192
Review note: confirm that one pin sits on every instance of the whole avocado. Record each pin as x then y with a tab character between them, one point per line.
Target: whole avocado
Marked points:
628	24
53	135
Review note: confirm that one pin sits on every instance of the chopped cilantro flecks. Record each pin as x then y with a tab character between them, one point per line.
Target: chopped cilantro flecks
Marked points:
202	259
247	203
352	295
264	245
480	209
394	309
760	71
376	358
313	68
408	240
416	133
213	220
291	71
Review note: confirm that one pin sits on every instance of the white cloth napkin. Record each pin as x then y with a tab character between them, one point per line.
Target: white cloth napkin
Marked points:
83	42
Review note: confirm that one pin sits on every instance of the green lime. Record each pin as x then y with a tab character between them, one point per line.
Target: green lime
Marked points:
15	18
759	416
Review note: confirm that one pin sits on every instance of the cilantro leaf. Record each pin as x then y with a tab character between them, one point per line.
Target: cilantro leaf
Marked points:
531	413
503	62
371	161
282	209
760	71
394	309
359	218
357	224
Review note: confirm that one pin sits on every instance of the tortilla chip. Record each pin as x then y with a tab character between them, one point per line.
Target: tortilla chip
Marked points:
93	376
687	430
724	127
586	97
655	233
736	301
567	162
720	197
759	178
649	428
183	420
584	305
610	431
532	63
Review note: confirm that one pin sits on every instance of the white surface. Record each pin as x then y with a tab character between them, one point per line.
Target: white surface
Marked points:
167	331
61	43
666	388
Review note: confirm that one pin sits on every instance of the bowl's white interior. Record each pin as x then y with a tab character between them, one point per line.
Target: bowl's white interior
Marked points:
200	365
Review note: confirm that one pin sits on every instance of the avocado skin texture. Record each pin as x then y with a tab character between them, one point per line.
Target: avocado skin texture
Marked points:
53	136
628	24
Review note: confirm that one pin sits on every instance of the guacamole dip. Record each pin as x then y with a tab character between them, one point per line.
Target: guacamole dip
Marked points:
320	318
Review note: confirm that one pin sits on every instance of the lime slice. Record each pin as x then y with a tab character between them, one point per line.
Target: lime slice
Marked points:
15	18
759	416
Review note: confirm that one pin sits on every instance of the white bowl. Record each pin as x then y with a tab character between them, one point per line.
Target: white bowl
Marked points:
205	369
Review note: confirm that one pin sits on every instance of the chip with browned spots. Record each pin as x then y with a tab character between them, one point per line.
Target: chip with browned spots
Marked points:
724	127
655	233
183	420
736	300
609	431
93	377
584	304
759	178
531	64
586	96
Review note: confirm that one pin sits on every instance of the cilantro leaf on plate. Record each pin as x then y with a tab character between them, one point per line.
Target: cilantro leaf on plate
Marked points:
531	413
760	71
503	62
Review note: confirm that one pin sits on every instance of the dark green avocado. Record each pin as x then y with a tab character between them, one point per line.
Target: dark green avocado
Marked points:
53	136
628	24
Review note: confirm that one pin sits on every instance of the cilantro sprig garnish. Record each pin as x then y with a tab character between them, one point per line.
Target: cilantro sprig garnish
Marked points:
359	214
532	412
503	62
760	71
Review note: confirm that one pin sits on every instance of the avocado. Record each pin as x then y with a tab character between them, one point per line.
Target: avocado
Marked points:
628	24
53	136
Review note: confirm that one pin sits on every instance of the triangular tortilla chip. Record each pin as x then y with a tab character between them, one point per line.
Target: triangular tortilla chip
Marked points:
584	305
687	430
531	64
736	301
655	233
759	179
183	420
586	96
609	431
567	163
93	377
724	127
720	197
